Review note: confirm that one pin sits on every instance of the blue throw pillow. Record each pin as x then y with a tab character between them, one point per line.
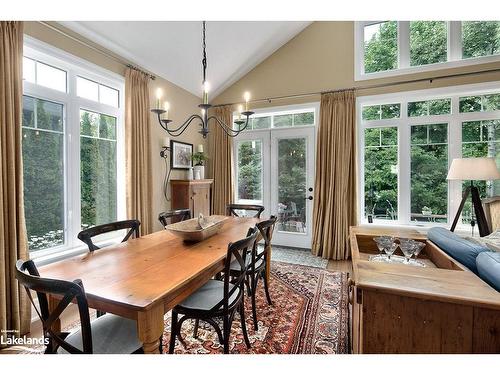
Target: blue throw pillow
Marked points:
458	248
488	266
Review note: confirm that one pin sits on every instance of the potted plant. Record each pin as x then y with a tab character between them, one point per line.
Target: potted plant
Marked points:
199	160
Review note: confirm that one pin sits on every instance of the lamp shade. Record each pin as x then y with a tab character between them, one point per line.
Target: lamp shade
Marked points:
473	169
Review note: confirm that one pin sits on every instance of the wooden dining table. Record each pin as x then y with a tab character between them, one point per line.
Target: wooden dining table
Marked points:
145	277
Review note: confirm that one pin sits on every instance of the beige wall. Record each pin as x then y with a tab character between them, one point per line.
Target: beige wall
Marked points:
321	58
182	104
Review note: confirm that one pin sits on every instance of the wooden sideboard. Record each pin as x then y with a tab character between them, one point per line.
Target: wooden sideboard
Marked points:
398	308
192	194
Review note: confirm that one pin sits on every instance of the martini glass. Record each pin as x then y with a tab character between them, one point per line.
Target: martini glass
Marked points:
382	243
408	247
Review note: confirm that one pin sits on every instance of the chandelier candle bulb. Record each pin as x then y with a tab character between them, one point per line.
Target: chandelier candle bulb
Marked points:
200	148
166	106
166	142
159	94
206	87
247	99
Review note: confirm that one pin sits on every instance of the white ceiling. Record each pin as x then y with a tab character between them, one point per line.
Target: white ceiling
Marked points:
172	49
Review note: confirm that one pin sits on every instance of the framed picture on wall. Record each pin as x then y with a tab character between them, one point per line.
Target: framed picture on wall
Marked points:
181	155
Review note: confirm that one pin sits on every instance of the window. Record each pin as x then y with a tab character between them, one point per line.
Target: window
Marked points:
97	168
429	167
71	147
249	172
397	47
293	118
43	157
44	75
405	154
88	89
381	172
381	46
480	38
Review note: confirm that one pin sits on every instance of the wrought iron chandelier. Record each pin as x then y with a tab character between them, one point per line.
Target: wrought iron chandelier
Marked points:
204	106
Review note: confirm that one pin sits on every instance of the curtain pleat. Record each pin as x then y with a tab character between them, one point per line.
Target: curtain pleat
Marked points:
221	155
137	152
335	185
15	312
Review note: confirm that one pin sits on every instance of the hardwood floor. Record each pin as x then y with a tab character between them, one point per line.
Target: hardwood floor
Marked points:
340	265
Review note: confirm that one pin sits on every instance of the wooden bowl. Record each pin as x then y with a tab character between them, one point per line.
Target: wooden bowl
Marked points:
190	230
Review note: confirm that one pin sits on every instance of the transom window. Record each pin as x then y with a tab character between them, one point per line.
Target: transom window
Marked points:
292	118
405	154
388	48
71	145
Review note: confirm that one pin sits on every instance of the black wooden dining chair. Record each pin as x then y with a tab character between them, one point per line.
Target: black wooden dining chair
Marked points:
218	298
257	265
87	234
174	216
109	334
249	210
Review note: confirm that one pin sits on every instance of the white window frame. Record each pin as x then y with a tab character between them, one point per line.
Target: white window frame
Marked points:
403	124
454	50
74	66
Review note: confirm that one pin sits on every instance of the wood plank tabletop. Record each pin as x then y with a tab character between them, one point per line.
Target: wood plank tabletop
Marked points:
137	273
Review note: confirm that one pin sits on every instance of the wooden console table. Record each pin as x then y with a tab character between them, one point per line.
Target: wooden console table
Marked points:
398	308
192	194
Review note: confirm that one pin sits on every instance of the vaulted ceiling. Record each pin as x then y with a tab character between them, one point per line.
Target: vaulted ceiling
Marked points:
172	49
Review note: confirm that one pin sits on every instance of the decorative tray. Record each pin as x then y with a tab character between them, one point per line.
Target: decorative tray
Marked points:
197	229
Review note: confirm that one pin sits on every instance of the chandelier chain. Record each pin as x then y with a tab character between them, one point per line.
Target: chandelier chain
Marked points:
204	61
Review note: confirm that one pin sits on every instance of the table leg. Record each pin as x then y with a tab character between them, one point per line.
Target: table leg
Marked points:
150	328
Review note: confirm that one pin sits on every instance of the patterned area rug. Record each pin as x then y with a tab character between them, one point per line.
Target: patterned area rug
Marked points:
308	316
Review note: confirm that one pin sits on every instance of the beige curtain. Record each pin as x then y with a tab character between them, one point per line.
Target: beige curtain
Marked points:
221	155
15	312
137	152
335	186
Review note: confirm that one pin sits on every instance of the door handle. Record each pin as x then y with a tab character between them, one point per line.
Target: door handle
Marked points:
309	197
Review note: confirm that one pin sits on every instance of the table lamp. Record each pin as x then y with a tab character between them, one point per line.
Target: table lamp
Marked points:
473	169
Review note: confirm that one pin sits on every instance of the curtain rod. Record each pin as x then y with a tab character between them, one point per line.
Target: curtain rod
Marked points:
102	52
358	88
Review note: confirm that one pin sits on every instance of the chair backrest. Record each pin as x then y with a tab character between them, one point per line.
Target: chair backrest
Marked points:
87	234
255	209
174	216
29	277
266	229
236	251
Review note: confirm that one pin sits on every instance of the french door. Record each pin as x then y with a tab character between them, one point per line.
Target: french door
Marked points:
275	168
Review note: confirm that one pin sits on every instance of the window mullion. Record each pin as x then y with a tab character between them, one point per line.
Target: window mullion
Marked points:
454	151
404	188
73	162
454	40
403	44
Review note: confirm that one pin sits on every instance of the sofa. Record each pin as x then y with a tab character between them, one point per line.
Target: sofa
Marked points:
476	257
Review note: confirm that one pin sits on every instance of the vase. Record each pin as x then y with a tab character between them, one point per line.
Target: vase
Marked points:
199	172
190	174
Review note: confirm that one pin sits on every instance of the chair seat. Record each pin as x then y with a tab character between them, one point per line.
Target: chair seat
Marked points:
111	334
209	295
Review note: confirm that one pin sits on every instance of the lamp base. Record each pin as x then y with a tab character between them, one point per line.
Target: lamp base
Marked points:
482	224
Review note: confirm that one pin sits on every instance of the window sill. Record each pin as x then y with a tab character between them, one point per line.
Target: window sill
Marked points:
57	256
